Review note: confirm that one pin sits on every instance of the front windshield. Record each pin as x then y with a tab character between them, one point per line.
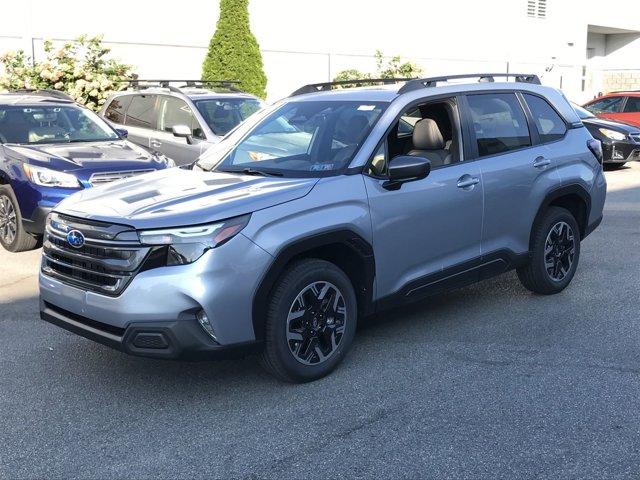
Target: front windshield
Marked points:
582	112
222	115
52	124
300	138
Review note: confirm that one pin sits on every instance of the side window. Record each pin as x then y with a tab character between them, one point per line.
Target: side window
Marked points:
550	125
141	111
606	105
118	108
174	111
633	105
378	167
499	123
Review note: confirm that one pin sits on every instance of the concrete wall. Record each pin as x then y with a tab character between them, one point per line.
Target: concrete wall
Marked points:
305	41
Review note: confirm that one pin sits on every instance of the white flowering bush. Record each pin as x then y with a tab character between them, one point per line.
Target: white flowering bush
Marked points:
80	68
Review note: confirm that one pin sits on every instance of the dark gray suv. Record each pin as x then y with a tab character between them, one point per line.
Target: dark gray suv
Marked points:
183	121
322	209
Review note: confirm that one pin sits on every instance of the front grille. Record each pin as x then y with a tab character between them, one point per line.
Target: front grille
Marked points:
106	263
108	177
635	137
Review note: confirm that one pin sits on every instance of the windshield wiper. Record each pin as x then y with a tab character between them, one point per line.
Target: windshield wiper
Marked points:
252	171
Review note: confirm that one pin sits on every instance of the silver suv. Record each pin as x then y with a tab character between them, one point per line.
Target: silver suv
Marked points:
181	122
322	209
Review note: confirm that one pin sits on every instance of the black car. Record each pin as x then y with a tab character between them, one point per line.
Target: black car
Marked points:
620	142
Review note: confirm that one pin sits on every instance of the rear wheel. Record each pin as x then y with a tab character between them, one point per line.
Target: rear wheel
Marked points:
13	236
555	253
311	321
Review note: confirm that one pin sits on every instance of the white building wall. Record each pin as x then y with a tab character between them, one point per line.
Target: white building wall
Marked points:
304	41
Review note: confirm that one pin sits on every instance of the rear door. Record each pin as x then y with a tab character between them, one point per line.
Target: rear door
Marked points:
140	119
117	110
174	111
517	170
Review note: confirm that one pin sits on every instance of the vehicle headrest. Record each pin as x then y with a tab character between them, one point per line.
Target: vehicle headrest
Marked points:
427	136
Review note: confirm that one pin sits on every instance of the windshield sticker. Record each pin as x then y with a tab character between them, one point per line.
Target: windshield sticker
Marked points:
321	167
366	108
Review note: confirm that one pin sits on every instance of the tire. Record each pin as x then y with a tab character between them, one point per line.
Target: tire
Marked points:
13	236
556	229
313	304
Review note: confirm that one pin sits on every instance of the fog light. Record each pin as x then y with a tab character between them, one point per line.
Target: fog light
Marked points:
203	320
616	155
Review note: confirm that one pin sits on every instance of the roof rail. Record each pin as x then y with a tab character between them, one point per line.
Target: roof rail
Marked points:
57	94
138	83
482	77
323	87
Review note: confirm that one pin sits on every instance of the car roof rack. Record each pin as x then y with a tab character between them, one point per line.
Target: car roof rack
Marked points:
326	86
482	77
57	94
140	83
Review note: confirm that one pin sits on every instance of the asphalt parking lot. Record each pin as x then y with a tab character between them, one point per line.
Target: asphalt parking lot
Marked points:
489	381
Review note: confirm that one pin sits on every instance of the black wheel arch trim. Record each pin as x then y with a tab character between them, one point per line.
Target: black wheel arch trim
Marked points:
347	238
563	191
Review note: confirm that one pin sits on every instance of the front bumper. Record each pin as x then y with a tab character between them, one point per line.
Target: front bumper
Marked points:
171	339
36	224
165	301
621	151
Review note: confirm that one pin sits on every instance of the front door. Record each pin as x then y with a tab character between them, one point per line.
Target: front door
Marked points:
630	112
424	229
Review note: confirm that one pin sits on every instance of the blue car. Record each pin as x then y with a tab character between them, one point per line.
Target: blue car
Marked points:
50	148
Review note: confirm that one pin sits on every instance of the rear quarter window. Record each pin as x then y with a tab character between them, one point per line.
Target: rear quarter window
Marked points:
117	109
550	125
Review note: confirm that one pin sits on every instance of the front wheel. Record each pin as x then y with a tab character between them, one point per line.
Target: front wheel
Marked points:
311	321
13	236
555	253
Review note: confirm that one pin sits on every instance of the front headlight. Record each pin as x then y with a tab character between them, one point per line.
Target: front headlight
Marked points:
612	134
184	245
50	178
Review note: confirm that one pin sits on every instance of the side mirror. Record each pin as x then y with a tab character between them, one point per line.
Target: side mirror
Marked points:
406	168
122	132
182	131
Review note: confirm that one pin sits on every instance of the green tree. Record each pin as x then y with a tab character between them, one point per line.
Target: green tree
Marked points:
234	53
393	69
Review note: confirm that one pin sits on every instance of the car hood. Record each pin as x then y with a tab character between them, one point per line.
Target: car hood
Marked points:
71	157
617	126
177	197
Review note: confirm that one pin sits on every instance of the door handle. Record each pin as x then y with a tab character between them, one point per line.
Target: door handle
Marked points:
540	162
156	143
467	182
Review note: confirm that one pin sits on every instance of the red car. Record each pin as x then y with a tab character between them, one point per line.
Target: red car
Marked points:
619	106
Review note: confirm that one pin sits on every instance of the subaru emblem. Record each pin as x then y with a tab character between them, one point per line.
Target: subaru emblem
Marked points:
75	238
